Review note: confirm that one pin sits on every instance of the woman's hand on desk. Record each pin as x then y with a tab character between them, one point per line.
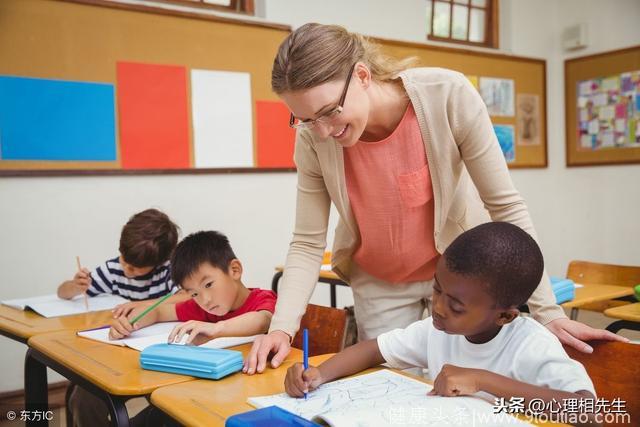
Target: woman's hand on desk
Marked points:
298	381
277	342
574	333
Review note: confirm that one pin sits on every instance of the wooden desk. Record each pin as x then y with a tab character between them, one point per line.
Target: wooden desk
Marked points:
324	276
210	403
20	325
111	372
595	293
629	315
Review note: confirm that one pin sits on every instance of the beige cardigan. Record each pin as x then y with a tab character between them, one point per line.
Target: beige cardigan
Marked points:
471	185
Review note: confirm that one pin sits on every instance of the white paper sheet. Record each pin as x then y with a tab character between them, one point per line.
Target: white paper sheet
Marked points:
380	399
158	333
52	306
498	95
222	119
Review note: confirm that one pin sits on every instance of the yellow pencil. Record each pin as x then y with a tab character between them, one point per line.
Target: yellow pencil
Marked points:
86	298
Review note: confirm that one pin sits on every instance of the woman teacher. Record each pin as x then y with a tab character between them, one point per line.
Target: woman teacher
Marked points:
410	160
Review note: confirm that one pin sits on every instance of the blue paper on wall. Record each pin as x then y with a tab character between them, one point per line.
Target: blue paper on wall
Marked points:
504	133
42	119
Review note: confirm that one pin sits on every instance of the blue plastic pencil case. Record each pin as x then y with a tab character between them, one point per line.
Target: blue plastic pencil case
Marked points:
270	416
563	289
199	362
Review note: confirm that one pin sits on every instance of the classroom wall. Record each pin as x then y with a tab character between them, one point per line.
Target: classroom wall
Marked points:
587	213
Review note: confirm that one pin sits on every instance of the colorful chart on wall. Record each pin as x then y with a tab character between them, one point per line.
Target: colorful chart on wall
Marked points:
603	108
93	103
609	112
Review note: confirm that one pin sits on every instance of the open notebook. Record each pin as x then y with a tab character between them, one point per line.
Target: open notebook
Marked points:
52	306
157	333
386	398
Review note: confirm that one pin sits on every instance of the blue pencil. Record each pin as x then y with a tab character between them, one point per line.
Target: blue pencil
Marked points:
305	350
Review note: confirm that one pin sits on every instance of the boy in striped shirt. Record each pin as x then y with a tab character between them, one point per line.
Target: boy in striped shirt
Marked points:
141	272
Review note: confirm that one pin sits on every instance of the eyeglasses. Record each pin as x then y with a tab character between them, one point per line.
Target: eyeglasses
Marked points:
326	117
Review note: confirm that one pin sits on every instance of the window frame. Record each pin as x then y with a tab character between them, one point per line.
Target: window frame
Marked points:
491	24
245	7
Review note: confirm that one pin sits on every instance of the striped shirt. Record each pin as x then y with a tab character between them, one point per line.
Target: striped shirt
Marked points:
109	278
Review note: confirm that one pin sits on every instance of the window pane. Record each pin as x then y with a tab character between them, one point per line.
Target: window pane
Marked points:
441	19
429	5
459	30
477	30
481	3
461	1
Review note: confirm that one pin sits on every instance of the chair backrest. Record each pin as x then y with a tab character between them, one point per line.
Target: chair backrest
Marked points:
614	368
327	327
585	272
326	258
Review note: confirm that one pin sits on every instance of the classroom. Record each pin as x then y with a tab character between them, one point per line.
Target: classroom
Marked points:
221	163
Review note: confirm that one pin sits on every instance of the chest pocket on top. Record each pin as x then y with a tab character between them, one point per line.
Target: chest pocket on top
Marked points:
415	187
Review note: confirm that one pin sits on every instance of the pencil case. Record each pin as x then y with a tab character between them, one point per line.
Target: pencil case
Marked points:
563	289
211	363
271	416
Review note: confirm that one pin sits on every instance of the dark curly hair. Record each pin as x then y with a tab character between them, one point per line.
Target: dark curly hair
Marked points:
503	256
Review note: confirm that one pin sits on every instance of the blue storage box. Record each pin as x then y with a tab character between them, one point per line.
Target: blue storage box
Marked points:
271	416
199	362
563	289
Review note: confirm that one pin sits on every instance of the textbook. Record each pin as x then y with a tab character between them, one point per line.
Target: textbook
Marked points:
384	398
158	333
52	306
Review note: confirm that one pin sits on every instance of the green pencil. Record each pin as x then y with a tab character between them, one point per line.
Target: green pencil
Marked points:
151	307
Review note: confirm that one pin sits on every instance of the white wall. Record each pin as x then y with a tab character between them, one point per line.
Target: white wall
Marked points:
588	213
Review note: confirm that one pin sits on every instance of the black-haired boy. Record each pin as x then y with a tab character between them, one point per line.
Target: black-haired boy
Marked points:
475	342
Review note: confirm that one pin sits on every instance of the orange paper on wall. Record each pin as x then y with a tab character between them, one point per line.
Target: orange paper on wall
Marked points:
154	120
275	137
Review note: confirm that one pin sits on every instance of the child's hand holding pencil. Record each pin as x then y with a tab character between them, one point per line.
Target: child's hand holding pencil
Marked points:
81	282
123	326
300	381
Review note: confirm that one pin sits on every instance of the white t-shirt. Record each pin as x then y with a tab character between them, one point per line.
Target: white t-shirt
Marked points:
523	350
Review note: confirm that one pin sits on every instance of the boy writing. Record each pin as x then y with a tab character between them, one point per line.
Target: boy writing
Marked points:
475	342
141	272
207	269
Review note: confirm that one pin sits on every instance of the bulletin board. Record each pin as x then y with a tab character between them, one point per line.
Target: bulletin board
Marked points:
519	117
602	102
132	79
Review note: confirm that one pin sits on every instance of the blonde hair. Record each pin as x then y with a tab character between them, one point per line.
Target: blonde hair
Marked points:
315	53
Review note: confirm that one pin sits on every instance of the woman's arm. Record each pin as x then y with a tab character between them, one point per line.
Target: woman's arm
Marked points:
303	260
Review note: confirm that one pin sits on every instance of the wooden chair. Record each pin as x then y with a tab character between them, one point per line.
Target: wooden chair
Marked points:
586	273
327	329
328	277
614	368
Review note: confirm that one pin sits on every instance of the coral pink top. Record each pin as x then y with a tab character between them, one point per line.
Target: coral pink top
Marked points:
391	196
